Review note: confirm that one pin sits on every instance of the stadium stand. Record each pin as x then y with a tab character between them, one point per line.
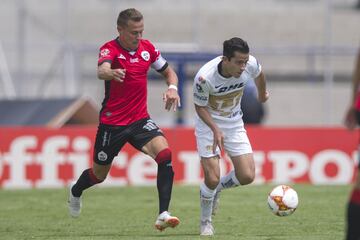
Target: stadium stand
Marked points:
47	112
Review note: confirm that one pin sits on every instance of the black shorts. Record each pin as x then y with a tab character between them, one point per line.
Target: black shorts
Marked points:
110	139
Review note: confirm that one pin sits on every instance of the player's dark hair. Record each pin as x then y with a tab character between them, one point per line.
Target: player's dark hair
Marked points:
234	44
129	14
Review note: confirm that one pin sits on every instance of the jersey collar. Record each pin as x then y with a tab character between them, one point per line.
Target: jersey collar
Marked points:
117	40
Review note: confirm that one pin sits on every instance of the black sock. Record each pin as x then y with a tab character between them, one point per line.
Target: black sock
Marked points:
353	220
165	177
85	181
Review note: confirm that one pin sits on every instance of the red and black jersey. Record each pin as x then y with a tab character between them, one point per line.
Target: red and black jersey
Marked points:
126	102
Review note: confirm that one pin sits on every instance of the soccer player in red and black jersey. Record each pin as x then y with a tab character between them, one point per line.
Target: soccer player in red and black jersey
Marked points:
123	65
352	118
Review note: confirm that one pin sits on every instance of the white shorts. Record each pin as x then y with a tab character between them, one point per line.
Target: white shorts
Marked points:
236	142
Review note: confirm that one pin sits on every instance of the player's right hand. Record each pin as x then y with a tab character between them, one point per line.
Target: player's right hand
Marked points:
171	99
119	74
218	140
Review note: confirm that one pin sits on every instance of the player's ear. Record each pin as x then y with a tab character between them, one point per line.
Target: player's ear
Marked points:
119	29
226	59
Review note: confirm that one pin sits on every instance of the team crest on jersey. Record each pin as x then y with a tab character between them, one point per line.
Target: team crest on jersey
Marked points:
102	156
145	55
199	88
104	52
134	60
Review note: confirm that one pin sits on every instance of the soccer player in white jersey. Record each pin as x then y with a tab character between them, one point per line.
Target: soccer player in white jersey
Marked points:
217	90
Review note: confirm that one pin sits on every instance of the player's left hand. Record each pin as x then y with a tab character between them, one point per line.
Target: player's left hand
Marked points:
264	97
171	99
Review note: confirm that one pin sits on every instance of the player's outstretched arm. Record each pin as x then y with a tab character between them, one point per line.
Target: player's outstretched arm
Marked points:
260	82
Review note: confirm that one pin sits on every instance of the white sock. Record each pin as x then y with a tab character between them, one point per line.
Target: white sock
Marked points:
228	181
206	200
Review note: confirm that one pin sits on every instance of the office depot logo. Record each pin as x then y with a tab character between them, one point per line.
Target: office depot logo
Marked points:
328	166
48	158
49	164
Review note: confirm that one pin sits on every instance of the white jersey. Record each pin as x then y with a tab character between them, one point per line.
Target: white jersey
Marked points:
222	96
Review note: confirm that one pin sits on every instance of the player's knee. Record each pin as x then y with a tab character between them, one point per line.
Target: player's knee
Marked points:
212	181
163	156
245	178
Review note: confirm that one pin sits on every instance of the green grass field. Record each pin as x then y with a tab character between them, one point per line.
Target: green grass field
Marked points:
129	213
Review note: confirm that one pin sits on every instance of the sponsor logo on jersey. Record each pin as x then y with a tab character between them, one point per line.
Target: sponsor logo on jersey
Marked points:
104	52
201	98
134	60
145	55
102	156
231	87
122	56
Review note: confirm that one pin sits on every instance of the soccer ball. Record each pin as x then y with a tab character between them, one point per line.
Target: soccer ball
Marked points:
283	200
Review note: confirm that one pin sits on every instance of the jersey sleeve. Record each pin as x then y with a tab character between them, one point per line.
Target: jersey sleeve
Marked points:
200	91
254	67
106	54
157	61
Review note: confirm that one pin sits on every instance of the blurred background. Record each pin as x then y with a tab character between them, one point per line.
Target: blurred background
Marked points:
49	49
48	62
